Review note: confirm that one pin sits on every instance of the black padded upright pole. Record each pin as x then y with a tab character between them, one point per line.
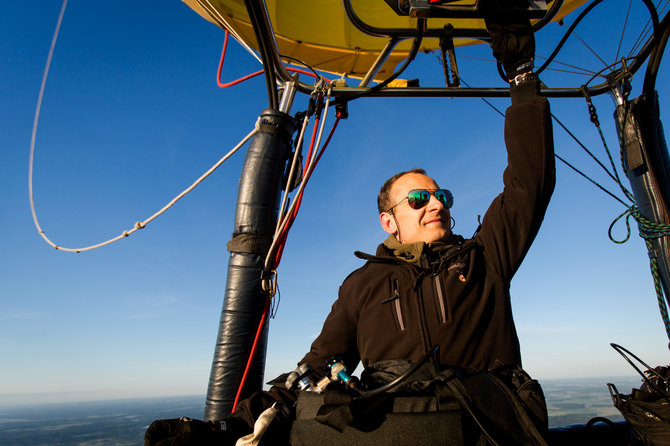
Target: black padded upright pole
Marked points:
648	169
244	299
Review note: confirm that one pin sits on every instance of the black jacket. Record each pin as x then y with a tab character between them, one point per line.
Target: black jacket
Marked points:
390	309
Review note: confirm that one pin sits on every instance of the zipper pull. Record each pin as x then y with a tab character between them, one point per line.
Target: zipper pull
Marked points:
396	293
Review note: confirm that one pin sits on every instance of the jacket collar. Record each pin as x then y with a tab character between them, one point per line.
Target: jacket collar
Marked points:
419	254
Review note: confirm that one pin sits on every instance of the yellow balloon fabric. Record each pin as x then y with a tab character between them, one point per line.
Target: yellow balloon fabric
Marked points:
319	33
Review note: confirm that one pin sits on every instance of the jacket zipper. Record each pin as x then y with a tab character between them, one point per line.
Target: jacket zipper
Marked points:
440	297
421	314
396	302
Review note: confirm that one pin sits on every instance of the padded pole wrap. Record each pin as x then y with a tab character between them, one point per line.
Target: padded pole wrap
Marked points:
648	169
244	299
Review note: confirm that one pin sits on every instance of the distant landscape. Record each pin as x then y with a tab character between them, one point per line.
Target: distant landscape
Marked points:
575	401
98	423
123	422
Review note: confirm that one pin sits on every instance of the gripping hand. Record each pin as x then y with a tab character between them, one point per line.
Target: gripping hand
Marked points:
512	38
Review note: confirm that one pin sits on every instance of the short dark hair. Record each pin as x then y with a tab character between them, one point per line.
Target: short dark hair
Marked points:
384	197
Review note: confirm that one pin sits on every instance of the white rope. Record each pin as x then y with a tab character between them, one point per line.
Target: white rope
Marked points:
54	38
139	224
294	164
142	224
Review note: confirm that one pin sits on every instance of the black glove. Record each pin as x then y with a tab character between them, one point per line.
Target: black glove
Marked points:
513	42
189	432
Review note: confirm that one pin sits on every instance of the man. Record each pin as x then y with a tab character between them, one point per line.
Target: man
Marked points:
426	286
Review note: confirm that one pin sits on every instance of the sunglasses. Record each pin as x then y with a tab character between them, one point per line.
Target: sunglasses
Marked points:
418	198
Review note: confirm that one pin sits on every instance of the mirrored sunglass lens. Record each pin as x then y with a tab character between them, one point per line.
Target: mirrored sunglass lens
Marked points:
445	197
418	198
440	195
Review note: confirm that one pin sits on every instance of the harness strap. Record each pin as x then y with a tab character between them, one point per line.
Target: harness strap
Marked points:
484	409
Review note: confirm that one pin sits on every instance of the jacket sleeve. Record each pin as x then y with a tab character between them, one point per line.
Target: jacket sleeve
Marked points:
338	337
513	219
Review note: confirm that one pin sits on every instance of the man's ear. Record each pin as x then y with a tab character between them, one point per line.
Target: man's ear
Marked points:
388	223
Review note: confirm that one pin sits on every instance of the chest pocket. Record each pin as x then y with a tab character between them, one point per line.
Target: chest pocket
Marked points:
453	279
394	303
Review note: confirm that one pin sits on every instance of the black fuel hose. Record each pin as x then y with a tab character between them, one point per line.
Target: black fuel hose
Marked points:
391	384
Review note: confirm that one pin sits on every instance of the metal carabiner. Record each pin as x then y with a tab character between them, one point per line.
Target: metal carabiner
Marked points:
269	282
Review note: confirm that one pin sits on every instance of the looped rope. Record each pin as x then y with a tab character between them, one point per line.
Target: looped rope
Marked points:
138	225
627	213
647	229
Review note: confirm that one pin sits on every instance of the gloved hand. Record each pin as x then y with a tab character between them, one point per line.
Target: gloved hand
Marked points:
190	432
513	42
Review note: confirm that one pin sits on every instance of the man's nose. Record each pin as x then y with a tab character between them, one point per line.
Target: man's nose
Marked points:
434	203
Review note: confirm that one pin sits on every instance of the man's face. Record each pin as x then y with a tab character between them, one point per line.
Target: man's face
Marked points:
427	224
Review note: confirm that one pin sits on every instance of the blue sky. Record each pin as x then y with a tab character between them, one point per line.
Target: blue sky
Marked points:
132	116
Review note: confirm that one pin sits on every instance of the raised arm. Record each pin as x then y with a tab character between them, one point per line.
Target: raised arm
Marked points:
513	219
